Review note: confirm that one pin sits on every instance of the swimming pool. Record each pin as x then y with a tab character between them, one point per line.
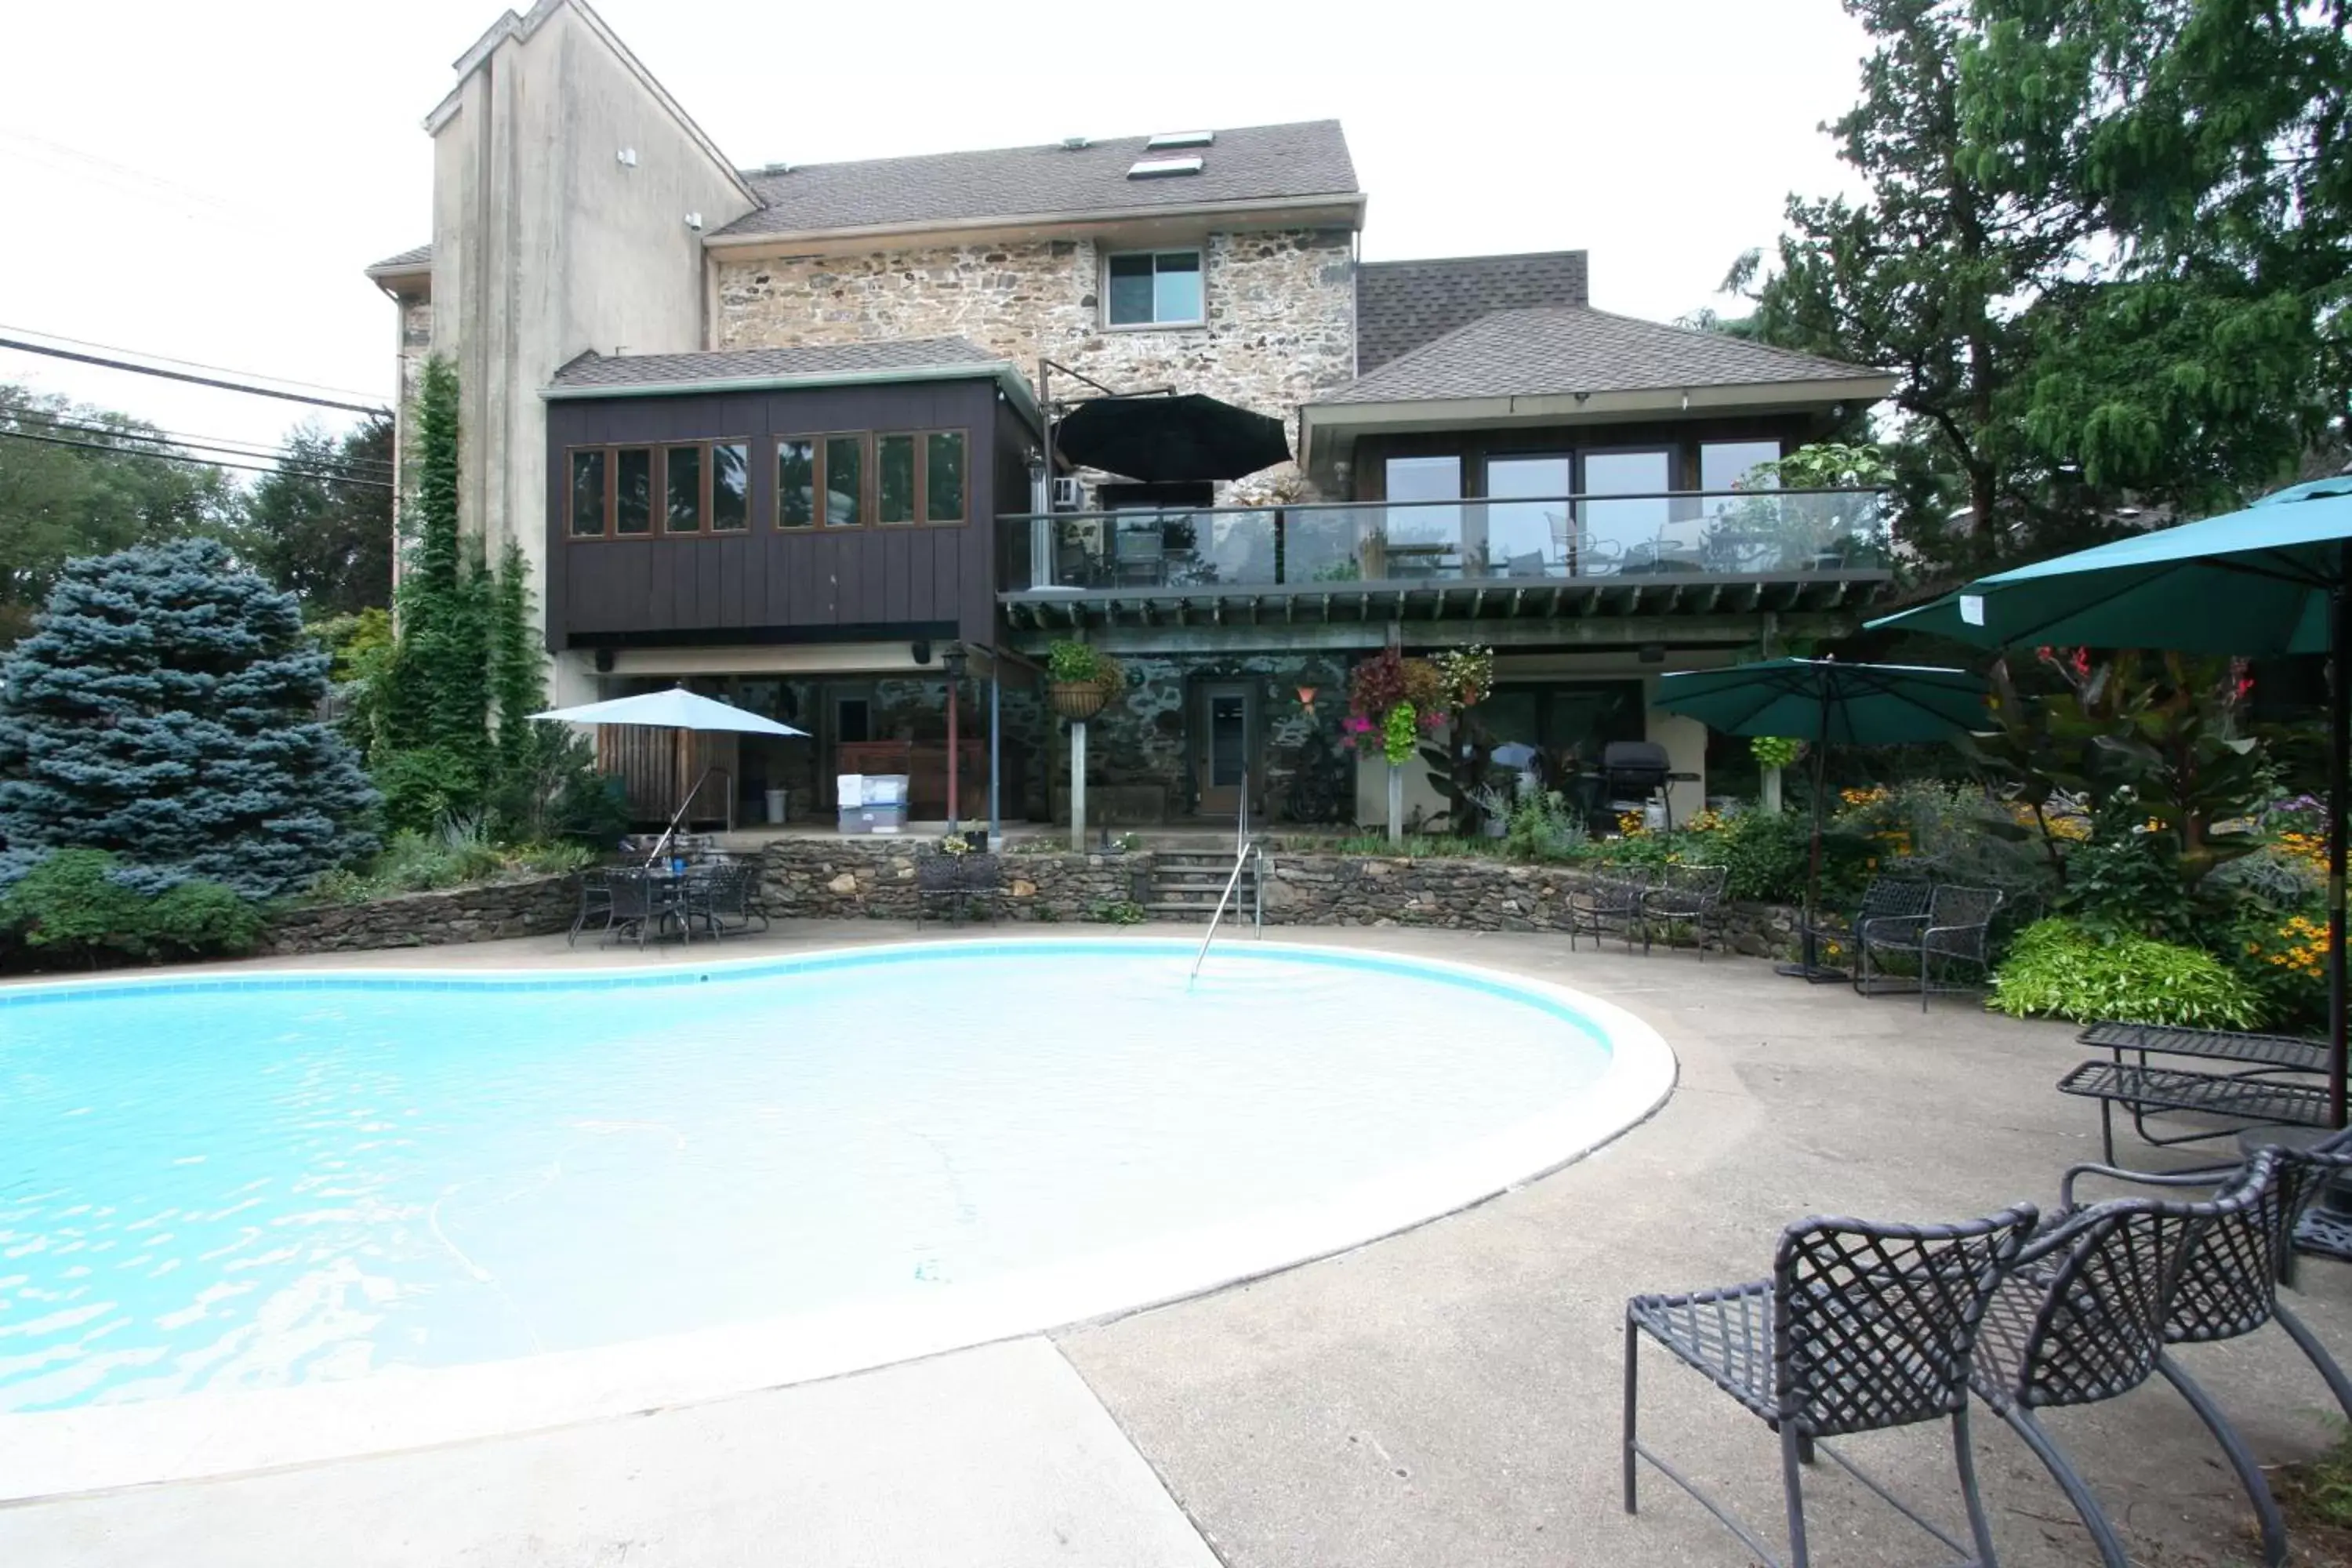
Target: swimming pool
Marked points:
217	1185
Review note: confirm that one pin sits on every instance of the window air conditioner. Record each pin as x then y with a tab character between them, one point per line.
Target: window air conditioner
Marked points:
1069	494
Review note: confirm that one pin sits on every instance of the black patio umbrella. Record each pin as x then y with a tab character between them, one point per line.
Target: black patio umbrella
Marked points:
1157	438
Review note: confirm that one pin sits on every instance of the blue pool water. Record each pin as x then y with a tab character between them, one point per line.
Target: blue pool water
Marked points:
220	1185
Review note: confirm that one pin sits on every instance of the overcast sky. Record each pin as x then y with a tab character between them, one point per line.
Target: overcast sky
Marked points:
206	181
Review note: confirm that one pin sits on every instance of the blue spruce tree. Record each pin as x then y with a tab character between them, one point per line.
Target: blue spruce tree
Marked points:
166	710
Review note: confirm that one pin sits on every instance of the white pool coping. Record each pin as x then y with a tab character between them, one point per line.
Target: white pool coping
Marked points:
106	1446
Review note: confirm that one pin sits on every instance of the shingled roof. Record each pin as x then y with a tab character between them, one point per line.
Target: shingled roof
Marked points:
595	369
1257	162
1401	305
1562	349
406	260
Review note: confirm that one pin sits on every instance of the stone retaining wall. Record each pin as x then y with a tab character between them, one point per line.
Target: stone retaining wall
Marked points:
862	878
856	879
526	907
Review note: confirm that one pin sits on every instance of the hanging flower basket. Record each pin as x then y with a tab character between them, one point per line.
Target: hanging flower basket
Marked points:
1078	700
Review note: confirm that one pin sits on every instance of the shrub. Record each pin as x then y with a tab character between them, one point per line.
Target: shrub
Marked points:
2058	968
1764	856
1543	826
76	902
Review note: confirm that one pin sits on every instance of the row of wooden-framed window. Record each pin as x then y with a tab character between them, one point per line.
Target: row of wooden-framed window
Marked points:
892	479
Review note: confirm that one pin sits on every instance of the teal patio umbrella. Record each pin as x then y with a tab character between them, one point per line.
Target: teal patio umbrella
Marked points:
2274	578
1828	703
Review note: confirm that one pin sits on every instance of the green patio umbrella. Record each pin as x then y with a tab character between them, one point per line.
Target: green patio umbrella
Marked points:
2276	578
1830	704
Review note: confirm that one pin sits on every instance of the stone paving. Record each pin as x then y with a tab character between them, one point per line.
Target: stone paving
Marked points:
1446	1396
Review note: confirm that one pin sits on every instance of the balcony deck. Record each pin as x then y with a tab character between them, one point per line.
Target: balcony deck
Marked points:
1571	568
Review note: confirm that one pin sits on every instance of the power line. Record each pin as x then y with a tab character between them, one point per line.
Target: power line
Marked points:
171	457
178	437
198	379
369	467
184	364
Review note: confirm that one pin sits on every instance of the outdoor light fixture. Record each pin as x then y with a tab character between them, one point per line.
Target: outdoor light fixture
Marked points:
1307	696
953	659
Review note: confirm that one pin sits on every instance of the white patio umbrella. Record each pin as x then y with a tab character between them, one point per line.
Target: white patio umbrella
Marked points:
676	709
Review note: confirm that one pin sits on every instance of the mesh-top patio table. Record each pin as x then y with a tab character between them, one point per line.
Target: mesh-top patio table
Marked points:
2278	1052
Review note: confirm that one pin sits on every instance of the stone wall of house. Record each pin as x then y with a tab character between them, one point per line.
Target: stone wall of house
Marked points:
1144	745
1280	308
531	906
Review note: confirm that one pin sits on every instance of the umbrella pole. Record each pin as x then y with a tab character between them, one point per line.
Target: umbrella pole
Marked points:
1813	858
2339	761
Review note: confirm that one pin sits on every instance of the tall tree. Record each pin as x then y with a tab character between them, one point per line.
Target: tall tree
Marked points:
2094	248
320	525
165	710
107	492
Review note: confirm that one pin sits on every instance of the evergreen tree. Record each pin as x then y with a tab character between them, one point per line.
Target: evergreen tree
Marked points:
165	710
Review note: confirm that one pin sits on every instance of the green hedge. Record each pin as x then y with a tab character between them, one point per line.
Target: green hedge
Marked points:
2056	968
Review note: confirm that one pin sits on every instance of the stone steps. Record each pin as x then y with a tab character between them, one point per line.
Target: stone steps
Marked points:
1186	884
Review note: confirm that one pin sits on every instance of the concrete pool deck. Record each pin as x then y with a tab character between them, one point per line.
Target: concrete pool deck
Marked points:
1446	1396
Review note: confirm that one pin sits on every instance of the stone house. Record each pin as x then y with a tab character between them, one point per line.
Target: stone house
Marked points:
790	432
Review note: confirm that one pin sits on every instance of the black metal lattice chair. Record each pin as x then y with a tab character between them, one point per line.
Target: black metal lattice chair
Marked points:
1863	1327
722	895
596	904
982	879
1956	929
2230	1284
1684	895
1609	899
1886	897
641	904
2084	1317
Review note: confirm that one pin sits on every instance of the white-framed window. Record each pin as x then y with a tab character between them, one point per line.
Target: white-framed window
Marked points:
1153	289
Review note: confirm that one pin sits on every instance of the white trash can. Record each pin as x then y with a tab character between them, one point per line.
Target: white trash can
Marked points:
776	798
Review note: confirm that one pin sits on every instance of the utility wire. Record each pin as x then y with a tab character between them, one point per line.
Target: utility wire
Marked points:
198	379
183	364
172	458
329	466
47	420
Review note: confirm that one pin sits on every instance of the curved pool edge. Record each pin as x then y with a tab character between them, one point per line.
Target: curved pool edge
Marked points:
202	1436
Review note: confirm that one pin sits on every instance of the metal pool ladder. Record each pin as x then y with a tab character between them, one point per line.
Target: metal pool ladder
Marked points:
1243	850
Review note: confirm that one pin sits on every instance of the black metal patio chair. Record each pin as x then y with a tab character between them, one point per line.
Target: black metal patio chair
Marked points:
1688	896
720	894
1884	898
1956	928
2230	1284
1611	898
596	904
982	879
2084	1316
1863	1327
642	904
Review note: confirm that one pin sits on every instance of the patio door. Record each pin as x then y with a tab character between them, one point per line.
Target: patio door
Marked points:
1228	735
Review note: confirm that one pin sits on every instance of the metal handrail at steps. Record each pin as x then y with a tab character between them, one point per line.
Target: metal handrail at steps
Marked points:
1243	850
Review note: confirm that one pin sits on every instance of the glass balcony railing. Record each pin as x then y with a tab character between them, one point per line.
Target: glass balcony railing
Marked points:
1732	533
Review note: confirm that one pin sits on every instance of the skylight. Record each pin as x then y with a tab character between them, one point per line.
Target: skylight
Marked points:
1167	139
1163	168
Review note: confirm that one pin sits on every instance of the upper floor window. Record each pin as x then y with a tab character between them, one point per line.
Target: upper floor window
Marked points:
688	487
1154	289
895	479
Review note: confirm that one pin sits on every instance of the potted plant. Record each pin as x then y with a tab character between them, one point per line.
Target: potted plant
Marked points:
1082	679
